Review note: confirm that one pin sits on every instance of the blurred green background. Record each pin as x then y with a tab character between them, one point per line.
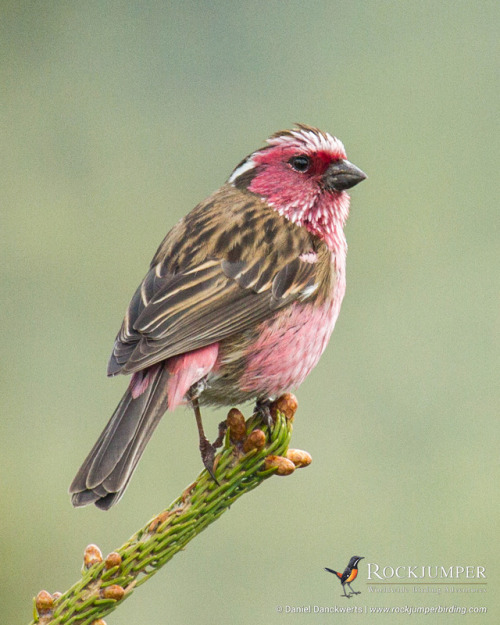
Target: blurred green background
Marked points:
118	117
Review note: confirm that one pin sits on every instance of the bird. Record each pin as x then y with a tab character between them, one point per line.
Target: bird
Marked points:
238	304
349	575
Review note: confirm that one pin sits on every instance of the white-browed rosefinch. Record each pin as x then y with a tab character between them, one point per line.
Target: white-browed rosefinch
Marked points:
239	303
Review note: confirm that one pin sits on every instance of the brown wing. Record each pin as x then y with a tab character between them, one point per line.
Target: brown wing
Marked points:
227	265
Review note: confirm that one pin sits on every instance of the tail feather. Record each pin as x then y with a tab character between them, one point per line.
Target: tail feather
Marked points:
105	473
334	572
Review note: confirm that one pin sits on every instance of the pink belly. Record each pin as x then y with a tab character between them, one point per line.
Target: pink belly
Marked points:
289	347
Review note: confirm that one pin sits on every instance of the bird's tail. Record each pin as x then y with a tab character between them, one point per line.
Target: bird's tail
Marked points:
334	572
103	477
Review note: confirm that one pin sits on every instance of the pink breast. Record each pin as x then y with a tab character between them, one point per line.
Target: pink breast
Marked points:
290	345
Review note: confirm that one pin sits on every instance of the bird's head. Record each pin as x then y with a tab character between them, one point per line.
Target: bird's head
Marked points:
303	174
354	561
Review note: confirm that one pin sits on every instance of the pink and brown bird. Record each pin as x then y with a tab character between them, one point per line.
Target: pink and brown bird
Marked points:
238	304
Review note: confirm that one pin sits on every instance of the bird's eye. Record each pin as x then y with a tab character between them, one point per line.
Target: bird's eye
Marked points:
300	163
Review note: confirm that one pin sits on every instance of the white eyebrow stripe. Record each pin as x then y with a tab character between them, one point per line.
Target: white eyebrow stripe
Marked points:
243	168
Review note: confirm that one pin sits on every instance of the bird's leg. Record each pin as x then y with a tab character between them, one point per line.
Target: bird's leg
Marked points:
345	594
263	409
194	392
206	448
354	592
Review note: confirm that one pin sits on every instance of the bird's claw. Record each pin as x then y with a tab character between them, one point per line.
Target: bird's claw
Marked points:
208	457
263	409
220	436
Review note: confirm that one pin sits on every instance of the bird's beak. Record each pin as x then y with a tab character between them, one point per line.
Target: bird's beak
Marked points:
342	175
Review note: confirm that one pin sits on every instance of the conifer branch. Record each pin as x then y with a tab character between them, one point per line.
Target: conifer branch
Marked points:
249	456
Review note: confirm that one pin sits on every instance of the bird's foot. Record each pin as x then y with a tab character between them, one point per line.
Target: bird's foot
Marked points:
221	434
263	409
207	451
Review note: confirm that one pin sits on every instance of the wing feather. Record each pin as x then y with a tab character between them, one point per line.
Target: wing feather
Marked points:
208	288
